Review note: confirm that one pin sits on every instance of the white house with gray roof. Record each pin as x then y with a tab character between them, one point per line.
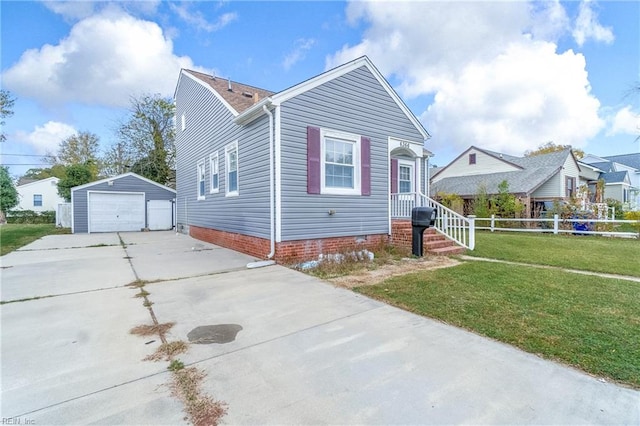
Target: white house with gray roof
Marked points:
535	180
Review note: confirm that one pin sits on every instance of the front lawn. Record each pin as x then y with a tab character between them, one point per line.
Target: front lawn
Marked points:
588	322
14	236
588	253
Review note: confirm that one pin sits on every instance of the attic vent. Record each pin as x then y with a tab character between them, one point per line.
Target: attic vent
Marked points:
247	95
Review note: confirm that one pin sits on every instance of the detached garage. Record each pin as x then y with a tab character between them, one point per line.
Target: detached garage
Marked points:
127	202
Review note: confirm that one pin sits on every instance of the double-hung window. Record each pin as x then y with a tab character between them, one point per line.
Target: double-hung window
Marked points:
570	186
340	167
405	181
201	178
215	175
231	161
37	200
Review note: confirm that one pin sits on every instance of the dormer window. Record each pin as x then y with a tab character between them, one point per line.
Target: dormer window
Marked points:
472	158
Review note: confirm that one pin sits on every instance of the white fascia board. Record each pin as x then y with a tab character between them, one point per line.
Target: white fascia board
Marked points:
209	88
341	70
252	113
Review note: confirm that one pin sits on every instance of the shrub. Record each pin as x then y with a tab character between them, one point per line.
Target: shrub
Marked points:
452	201
634	215
31	217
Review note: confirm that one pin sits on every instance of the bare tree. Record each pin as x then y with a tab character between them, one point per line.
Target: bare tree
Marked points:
6	110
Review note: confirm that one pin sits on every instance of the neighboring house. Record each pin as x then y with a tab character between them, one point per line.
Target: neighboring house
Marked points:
534	180
40	195
621	174
127	202
293	174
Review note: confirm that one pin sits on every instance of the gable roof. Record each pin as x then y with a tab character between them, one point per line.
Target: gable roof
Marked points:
630	160
38	181
87	185
246	108
534	171
606	166
502	157
615	177
239	97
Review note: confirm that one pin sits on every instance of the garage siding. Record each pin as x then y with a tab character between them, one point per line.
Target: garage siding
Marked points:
126	183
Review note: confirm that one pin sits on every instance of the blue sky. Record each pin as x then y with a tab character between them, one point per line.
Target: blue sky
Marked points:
506	76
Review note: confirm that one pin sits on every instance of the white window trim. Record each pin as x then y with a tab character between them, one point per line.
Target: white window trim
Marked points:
412	167
201	163
213	159
228	148
183	121
357	165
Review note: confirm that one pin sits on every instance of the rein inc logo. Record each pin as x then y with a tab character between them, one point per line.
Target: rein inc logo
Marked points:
17	421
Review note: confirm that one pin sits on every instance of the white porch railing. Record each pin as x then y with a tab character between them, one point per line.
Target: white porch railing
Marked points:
449	223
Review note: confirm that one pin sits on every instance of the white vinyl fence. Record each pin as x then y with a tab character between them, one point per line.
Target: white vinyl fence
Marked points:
557	225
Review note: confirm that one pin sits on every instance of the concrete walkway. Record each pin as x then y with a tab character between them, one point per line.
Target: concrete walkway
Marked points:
308	352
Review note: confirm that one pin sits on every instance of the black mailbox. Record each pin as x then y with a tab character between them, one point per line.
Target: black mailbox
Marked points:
423	216
421	219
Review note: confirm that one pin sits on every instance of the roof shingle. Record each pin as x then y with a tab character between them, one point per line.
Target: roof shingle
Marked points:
240	97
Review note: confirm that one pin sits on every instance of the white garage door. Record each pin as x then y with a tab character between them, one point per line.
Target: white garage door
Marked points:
116	211
160	215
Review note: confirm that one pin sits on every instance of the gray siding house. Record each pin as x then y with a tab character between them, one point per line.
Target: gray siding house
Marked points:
293	174
127	202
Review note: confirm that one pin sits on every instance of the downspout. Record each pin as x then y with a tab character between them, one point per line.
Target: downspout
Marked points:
271	187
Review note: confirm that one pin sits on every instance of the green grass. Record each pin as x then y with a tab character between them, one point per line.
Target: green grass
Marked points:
588	322
588	253
14	236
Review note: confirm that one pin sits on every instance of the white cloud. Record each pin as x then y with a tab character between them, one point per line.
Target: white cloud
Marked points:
72	10
587	26
199	21
75	10
105	59
46	138
301	46
493	69
625	121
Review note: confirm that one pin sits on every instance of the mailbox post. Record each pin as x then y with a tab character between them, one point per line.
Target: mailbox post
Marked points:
421	219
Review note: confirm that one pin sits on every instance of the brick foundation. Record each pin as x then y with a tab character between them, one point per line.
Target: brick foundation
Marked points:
287	251
301	250
253	246
296	251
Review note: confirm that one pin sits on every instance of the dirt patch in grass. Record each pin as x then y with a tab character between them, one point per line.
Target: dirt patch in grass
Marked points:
167	351
393	269
151	330
201	409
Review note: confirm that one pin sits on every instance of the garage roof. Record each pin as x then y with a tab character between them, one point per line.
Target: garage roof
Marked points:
87	185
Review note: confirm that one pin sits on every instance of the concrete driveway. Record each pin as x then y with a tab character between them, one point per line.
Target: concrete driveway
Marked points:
308	353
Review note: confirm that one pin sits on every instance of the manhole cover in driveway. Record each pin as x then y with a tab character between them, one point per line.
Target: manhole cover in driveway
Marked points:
220	333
